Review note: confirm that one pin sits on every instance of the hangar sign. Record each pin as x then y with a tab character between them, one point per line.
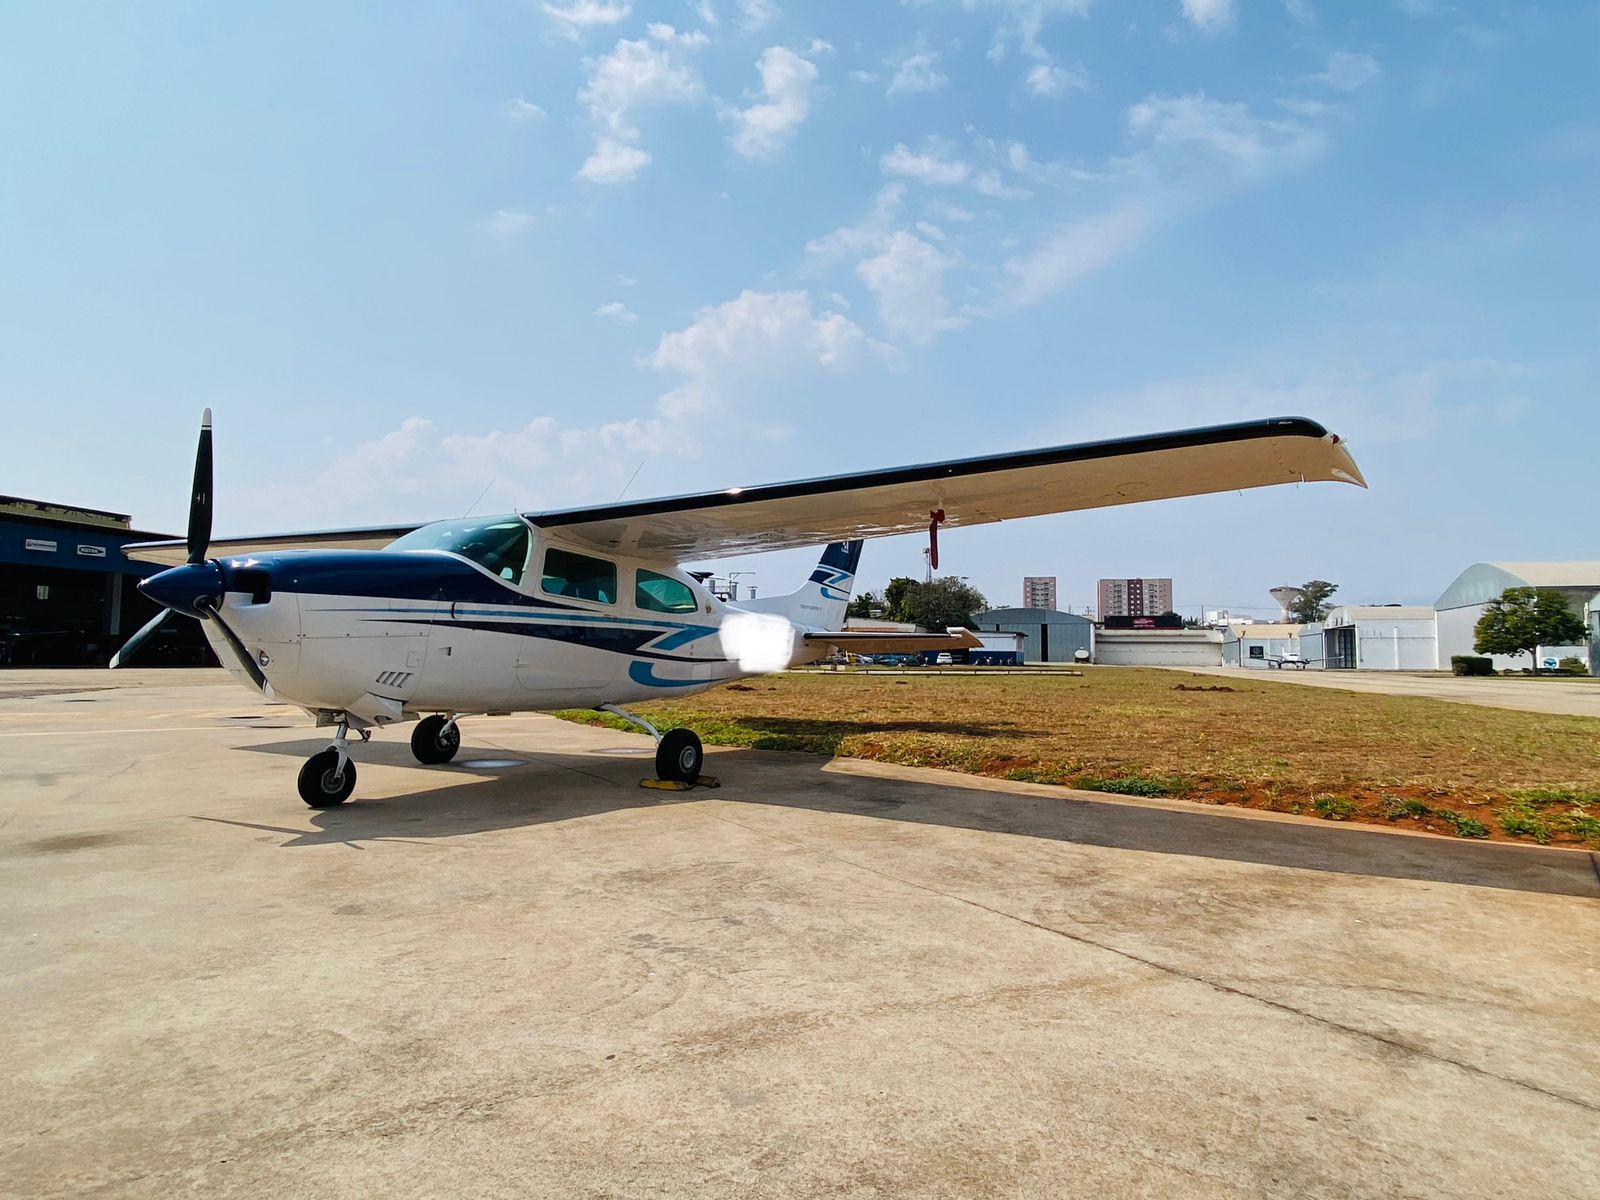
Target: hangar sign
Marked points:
40	544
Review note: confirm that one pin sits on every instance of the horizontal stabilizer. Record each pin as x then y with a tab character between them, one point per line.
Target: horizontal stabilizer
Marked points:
872	641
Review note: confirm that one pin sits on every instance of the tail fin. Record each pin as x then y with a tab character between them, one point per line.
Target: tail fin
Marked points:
820	604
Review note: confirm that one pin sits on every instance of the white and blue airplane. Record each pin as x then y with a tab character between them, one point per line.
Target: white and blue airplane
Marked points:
590	607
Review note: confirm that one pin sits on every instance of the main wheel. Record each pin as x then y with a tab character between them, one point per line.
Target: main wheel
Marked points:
678	756
320	787
435	740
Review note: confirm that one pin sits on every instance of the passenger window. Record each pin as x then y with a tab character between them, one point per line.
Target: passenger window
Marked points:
662	593
579	576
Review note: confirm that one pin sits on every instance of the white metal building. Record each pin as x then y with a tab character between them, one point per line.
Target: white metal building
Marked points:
1463	602
1257	644
1376	637
1158	647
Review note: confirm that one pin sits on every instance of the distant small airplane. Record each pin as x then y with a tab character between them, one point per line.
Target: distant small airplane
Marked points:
589	607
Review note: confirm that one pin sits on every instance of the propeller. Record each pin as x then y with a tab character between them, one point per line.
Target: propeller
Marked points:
192	584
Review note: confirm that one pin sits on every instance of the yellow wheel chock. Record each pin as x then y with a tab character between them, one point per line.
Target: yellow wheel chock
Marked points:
677	785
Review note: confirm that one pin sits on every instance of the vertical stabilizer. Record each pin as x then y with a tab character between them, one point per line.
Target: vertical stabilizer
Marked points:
820	604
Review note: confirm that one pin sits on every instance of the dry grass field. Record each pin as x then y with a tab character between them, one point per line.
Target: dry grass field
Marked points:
1422	764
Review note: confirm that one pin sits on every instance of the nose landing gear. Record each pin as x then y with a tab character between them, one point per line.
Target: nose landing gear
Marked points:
329	777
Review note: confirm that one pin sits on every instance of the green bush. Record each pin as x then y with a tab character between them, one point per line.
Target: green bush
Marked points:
1128	785
1471	664
1468	827
1334	808
1573	666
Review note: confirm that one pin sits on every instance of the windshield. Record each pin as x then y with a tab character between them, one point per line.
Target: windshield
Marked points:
497	544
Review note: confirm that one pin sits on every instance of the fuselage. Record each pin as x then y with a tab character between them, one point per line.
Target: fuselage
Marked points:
494	616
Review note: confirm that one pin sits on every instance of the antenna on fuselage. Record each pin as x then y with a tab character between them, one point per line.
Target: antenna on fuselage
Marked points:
481	495
631	478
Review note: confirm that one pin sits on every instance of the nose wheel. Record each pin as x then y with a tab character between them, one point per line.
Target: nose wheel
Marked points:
325	782
329	777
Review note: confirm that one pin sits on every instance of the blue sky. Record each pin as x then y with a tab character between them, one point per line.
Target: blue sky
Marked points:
415	253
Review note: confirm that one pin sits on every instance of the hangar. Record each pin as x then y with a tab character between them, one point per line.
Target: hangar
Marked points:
1049	636
1463	602
68	594
1374	637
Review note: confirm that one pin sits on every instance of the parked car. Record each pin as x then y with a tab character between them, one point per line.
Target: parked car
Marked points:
945	659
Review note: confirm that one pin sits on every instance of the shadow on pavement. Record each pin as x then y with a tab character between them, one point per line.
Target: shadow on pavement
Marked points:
549	787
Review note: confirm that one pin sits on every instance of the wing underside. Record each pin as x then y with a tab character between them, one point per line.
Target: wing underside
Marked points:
972	491
841	508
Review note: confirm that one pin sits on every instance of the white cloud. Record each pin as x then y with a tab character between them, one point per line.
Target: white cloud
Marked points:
668	35
869	234
574	20
1347	72
1195	128
1209	15
1074	250
1301	11
421	472
765	127
1184	151
705	11
949	212
907	281
613	162
616	311
1052	81
755	336
929	167
917	72
520	110
754	14
989	183
636	74
508	223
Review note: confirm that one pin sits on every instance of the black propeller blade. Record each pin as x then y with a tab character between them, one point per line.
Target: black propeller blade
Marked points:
131	646
200	495
208	609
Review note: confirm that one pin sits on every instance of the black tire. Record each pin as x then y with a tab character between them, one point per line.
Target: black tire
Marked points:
678	756
432	742
319	788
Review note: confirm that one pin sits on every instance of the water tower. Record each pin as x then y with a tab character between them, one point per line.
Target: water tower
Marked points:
1285	596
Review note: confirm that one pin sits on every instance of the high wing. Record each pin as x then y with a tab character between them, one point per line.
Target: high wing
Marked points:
869	641
839	508
372	537
970	491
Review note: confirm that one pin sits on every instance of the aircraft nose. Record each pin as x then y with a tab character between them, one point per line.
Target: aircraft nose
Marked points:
180	588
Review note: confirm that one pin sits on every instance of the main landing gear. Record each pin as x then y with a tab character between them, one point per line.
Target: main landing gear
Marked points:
436	739
679	756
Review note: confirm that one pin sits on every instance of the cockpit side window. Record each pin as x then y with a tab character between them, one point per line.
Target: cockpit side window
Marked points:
662	593
579	576
500	545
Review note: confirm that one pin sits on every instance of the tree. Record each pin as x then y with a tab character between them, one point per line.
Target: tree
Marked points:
1521	619
865	605
1311	605
944	603
894	597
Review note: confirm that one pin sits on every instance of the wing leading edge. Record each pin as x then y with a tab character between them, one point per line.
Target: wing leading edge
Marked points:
969	491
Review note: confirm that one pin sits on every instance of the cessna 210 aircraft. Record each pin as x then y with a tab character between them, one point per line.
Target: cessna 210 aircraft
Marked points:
590	608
